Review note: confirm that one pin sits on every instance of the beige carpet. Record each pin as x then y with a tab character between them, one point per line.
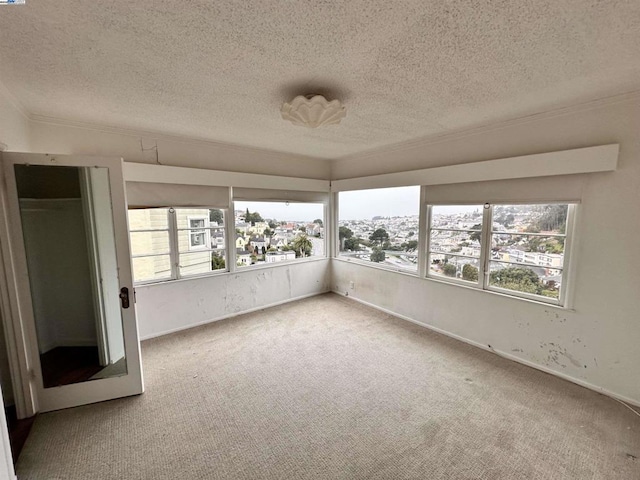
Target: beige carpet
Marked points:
327	388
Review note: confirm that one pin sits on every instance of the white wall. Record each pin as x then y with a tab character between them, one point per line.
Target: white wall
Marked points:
55	241
66	139
596	344
173	306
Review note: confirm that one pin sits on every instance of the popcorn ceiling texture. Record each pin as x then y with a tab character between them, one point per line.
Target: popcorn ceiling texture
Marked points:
220	70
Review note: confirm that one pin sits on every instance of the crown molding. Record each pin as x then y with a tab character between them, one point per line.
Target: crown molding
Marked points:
388	149
261	152
444	137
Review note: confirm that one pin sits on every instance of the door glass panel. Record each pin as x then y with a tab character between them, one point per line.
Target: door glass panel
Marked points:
68	232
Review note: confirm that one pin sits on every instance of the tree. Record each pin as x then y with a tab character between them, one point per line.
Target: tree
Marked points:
318	221
476	235
520	279
216	216
377	255
554	218
268	232
302	246
449	270
345	232
379	236
252	218
273	224
410	246
470	273
351	244
217	262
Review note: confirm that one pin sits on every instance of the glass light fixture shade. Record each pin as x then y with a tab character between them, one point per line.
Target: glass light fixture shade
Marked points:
313	111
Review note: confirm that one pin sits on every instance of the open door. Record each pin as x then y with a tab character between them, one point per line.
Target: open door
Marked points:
71	267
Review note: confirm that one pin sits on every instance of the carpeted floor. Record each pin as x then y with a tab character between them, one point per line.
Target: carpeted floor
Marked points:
327	388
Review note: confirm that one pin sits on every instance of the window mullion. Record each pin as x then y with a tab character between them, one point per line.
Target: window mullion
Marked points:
567	263
229	220
173	243
424	225
485	245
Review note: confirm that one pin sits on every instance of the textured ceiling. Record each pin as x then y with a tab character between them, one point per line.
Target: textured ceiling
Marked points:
220	69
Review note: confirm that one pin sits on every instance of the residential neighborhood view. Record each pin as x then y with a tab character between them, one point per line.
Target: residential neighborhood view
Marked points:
526	242
195	238
380	226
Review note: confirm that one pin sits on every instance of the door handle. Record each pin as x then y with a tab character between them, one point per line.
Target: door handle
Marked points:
124	297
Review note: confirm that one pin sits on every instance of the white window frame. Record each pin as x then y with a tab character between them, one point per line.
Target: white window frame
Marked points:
483	282
326	237
197	231
337	254
174	253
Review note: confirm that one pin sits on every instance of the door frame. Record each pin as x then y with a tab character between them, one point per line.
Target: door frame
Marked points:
17	308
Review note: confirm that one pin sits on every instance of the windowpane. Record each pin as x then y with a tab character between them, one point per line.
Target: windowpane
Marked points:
530	249
380	226
452	266
519	278
149	243
198	263
196	223
149	219
547	218
146	269
525	253
457	217
199	218
272	232
464	243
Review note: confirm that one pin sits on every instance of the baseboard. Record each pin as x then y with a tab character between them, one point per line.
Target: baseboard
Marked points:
235	314
500	353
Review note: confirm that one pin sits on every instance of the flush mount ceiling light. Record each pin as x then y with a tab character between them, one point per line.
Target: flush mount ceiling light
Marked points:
313	111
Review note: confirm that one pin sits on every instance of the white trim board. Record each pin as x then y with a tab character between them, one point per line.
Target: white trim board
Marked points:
142	172
603	158
6	459
500	353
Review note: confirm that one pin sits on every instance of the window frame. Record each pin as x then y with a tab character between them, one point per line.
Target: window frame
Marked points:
337	254
326	236
174	248
484	271
481	259
197	231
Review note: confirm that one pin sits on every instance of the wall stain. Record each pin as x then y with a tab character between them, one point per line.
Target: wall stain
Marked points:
556	354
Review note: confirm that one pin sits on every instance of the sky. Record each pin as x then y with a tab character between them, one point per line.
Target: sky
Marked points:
355	205
381	202
296	212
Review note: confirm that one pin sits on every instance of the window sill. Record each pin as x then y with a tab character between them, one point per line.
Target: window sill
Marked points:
500	294
224	273
377	266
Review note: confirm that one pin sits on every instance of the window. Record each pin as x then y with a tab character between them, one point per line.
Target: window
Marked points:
273	232
197	234
513	249
172	243
380	226
455	242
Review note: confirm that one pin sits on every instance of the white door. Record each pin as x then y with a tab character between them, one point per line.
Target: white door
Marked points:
70	272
